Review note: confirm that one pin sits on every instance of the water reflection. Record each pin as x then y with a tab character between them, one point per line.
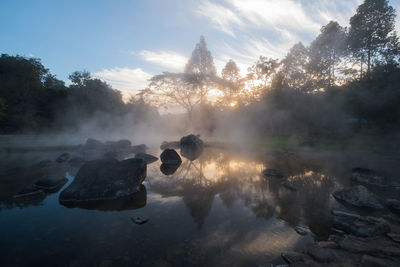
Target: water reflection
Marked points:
234	177
132	202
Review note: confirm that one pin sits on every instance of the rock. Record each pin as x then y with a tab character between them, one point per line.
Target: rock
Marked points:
51	183
63	157
321	254
28	193
76	161
105	179
139	220
170	156
300	231
272	173
44	163
169	169
293	257
337	212
362	175
147	157
361	226
373	246
94	144
393	205
369	261
327	244
191	146
358	196
394	236
289	186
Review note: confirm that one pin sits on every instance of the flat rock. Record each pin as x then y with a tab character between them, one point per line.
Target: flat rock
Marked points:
51	183
358	196
147	157
272	173
105	179
367	226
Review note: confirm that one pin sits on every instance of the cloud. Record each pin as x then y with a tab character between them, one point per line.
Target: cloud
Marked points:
171	60
222	18
127	80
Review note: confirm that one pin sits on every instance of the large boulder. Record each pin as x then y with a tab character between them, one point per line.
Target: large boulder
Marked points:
170	156
105	179
147	157
169	169
191	146
359	196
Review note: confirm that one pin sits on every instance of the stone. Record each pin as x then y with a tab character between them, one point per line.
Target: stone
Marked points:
30	192
367	176
191	146
170	156
147	157
393	205
337	212
300	231
105	179
367	226
63	157
51	183
358	196
169	169
139	220
370	261
272	173
293	257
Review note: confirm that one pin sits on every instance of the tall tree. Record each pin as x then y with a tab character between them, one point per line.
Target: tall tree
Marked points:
370	30
326	52
294	72
201	61
231	84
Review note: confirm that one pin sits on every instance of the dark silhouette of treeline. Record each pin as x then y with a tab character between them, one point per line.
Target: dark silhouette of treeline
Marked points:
32	99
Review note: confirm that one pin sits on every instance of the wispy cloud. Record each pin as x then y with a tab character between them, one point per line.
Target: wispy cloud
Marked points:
127	80
173	61
221	17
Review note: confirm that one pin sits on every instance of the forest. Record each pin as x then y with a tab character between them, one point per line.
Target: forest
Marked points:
346	81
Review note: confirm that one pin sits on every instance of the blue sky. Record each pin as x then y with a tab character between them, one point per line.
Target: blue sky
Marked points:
125	42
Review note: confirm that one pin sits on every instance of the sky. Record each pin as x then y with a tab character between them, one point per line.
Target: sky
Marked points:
125	42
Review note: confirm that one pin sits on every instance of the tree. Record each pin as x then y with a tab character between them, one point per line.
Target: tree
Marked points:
294	72
370	30
326	52
201	61
231	84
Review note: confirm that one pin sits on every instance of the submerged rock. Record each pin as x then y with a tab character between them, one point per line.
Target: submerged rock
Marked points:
105	179
272	173
169	169
358	196
51	183
170	156
367	176
361	226
147	157
63	157
191	146
139	220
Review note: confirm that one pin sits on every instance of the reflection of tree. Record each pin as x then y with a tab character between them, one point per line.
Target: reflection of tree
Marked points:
238	178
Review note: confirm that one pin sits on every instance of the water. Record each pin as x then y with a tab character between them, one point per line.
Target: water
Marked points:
218	210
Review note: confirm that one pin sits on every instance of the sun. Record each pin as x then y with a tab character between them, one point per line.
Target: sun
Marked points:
232	104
